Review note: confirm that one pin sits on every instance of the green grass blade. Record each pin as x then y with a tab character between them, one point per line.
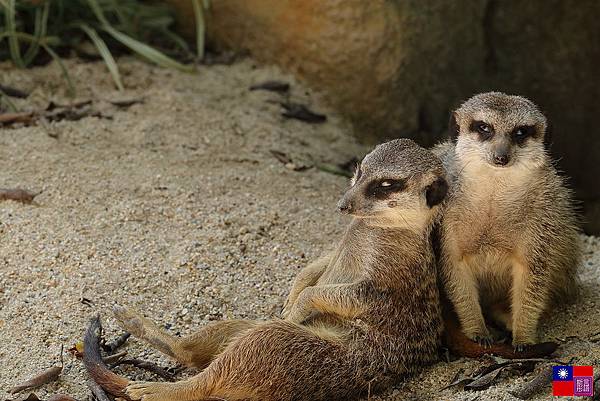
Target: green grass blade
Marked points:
176	39
41	26
200	28
105	53
64	71
13	41
114	6
146	51
98	12
48	40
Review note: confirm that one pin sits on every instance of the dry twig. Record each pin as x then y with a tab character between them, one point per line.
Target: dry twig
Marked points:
145	365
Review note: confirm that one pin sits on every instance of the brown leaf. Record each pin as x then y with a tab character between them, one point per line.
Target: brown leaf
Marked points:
126	103
534	386
302	113
485	381
45	377
20	117
282	157
17	194
76	350
273	86
13	92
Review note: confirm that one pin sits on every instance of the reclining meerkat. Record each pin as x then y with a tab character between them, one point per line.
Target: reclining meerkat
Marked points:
509	231
368	315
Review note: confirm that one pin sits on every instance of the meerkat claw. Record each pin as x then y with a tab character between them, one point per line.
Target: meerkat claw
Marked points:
518	348
484	341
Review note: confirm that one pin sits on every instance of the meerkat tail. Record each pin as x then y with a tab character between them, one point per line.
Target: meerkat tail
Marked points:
97	369
459	344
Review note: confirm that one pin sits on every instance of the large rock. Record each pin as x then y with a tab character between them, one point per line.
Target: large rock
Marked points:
397	68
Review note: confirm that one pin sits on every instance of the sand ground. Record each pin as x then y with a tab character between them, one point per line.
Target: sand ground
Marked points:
177	207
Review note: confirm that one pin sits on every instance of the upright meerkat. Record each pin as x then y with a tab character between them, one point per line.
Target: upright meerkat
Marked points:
358	320
509	231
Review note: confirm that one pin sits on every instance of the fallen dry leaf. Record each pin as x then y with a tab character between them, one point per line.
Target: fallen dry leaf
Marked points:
47	376
17	194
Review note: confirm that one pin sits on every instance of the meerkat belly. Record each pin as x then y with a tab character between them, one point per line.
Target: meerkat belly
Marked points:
474	233
492	270
488	222
484	231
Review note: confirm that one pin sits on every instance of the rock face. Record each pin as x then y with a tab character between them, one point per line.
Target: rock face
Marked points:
397	68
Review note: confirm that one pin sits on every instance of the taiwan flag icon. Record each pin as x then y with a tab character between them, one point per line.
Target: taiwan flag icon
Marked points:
562	381
573	381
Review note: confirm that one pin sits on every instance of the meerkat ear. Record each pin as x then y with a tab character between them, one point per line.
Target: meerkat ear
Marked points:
436	192
453	127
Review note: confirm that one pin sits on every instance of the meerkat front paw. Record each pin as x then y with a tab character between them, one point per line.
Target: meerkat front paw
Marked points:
481	336
149	391
520	342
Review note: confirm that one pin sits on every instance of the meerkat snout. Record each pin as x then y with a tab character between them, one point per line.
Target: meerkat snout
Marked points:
501	154
344	206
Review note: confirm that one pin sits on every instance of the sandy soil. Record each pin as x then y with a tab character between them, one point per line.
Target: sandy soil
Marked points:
177	207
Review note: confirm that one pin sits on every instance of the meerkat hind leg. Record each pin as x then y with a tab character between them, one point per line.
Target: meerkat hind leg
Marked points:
197	350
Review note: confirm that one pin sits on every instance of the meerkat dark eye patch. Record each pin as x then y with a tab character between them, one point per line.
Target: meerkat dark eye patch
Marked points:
381	189
485	130
520	134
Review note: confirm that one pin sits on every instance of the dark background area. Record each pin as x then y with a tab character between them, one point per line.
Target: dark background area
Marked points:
398	67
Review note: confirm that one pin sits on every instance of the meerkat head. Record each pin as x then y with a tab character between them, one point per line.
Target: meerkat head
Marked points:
398	184
499	130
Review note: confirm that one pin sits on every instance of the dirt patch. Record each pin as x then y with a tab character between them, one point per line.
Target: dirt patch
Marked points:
178	207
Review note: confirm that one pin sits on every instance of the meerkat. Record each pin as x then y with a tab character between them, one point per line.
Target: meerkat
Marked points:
366	315
509	231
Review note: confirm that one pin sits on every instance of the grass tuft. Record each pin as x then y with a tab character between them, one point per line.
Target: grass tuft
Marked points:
114	27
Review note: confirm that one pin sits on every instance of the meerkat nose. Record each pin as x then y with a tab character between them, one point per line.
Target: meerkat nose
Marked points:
501	160
345	207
